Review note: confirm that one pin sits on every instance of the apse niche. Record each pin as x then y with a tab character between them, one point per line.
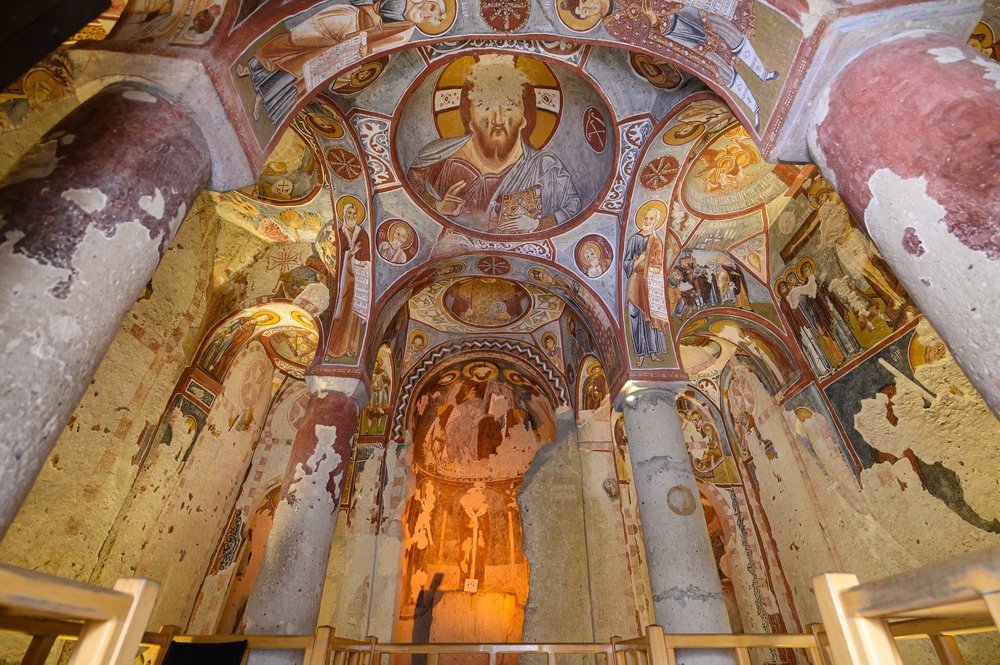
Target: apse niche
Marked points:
505	145
476	425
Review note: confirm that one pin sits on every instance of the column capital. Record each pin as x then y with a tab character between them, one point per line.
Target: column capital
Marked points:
634	391
353	387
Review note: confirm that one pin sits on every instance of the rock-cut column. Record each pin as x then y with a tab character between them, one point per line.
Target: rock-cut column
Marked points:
84	218
683	576
909	134
289	587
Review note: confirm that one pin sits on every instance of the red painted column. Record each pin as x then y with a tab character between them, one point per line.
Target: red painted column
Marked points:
289	587
84	218
909	134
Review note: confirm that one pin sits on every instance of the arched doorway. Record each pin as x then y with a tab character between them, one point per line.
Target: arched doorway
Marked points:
476	422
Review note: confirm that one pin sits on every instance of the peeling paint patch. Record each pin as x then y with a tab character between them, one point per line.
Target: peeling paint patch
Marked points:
37	163
992	70
897	201
912	243
947	54
680	500
89	199
323	463
153	204
139	96
822	108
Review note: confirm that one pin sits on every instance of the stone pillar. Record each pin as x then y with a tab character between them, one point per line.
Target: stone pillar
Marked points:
554	531
84	219
289	588
909	135
683	576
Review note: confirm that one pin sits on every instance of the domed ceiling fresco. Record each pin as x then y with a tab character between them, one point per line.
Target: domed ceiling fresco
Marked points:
493	215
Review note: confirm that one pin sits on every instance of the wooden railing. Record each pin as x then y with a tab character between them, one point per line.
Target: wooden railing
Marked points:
861	624
653	648
659	648
863	621
107	624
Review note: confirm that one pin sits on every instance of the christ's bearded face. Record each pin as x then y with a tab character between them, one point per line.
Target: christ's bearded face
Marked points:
497	117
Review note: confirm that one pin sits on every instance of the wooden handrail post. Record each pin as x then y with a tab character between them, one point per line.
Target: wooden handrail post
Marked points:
822	652
946	648
38	650
657	646
321	647
854	640
116	641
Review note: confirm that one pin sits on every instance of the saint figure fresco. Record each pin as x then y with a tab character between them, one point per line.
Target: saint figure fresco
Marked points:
279	68
716	32
644	299
353	262
595	387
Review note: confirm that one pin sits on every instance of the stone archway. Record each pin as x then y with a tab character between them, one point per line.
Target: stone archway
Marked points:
475	424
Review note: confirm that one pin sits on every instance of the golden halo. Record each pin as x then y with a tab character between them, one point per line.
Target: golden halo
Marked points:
644	208
41	76
265	317
448	88
515	377
778	284
595	369
451	269
304	319
448	377
548	336
324	124
360	77
492	370
347	198
806	261
683	133
418	335
409	232
577	24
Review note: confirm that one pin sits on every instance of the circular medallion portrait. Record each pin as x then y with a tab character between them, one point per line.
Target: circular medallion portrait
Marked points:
432	17
582	15
396	241
487	302
660	74
505	145
359	78
593	256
